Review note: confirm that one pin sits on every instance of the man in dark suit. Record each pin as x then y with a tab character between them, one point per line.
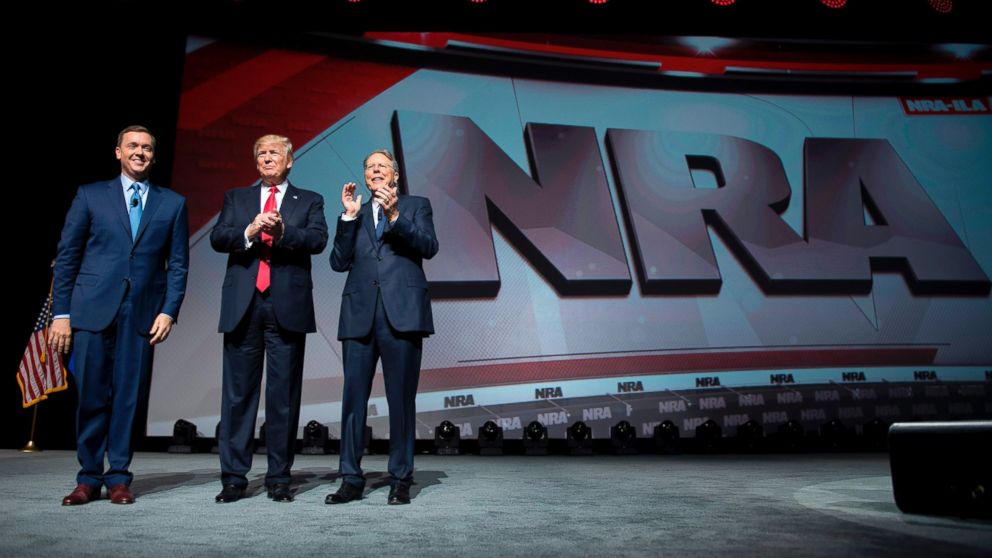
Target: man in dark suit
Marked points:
385	313
120	278
270	231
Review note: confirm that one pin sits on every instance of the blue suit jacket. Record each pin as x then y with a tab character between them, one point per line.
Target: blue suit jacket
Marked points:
394	268
98	263
291	286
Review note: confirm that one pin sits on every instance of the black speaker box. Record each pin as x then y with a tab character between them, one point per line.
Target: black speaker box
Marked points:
942	468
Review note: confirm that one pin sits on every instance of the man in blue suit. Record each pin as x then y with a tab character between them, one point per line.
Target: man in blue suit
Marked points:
269	231
120	278
385	313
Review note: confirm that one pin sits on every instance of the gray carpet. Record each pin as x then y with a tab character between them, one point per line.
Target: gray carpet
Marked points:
766	505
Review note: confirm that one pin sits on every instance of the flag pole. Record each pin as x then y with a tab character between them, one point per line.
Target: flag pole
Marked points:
30	447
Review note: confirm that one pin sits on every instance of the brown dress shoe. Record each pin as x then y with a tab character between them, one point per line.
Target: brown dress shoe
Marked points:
82	494
121	494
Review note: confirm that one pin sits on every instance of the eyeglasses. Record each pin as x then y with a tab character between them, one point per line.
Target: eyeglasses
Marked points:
380	166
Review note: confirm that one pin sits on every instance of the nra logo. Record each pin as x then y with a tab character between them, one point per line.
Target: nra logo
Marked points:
863	393
967	105
627	387
671	406
774	417
901	392
750	399
709	381
827	395
789	397
547	392
925	375
960	408
781	379
850	413
813	415
596	413
706	403
459	401
735	420
509	423
852	376
552	418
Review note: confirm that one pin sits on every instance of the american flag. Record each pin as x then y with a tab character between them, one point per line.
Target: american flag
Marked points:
41	370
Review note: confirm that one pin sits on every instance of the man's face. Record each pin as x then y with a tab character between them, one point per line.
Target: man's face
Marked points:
273	165
136	155
379	172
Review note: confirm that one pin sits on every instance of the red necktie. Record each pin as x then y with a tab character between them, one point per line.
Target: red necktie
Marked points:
262	281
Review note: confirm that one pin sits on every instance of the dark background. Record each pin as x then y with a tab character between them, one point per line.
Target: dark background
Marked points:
77	77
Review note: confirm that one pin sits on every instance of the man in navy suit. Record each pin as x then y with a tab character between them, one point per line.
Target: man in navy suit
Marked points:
269	231
385	313
120	278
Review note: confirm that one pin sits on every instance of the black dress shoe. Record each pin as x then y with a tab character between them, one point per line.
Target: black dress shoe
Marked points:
347	492
398	495
230	493
280	493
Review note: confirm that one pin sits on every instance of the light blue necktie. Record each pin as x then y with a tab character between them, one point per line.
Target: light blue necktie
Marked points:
379	226
134	211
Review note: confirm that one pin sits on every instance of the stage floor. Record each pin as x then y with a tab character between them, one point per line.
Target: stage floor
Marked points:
834	505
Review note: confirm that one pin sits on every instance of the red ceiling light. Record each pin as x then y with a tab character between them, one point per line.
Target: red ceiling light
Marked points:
942	6
836	4
723	2
598	1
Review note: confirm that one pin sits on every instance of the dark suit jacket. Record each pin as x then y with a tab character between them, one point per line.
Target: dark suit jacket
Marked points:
291	285
395	269
98	263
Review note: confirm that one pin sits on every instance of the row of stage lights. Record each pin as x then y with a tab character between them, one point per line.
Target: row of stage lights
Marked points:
940	6
790	436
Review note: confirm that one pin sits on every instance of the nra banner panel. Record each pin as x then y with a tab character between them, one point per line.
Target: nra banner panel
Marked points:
619	248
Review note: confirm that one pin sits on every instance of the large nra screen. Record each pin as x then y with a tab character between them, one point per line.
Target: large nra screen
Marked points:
617	253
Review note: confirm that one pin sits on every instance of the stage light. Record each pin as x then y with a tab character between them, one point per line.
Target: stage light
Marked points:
836	4
490	439
598	1
942	6
623	438
260	441
447	438
723	2
535	439
183	437
834	435
750	436
791	436
875	434
709	436
315	439
666	437
579	439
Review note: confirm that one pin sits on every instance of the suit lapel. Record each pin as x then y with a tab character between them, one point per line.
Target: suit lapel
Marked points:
115	201
290	203
365	215
152	203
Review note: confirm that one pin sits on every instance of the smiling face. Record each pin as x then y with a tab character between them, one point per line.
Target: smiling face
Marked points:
379	172
136	153
272	162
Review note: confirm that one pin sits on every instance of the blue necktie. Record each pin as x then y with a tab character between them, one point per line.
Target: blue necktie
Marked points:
134	212
380	225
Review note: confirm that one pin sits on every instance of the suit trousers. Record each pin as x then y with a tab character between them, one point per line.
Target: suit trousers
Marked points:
258	339
400	353
112	373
